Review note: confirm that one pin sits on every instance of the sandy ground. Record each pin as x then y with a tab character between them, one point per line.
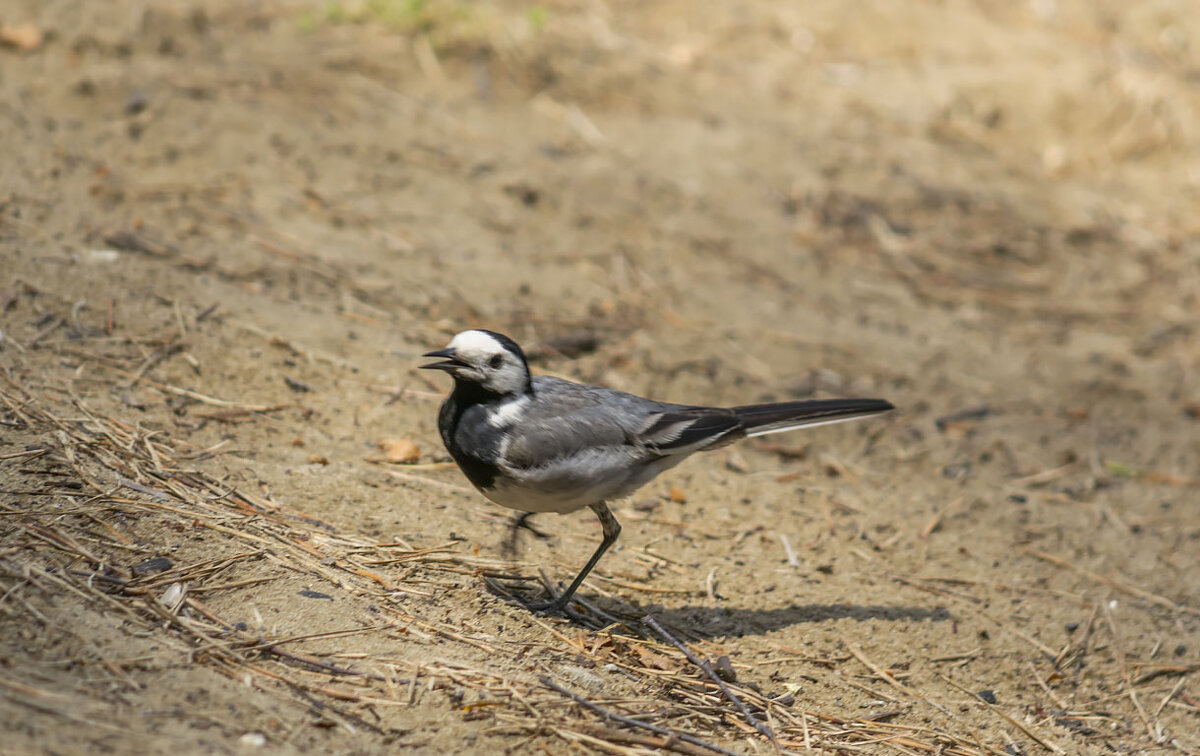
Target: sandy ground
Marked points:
228	229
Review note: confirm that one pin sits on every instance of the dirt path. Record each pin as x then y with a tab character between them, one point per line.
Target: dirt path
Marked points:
228	230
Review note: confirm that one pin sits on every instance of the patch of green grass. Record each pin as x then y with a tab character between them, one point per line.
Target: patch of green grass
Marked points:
426	16
448	25
537	16
336	12
397	13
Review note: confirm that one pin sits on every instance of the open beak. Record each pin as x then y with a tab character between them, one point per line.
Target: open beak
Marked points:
447	364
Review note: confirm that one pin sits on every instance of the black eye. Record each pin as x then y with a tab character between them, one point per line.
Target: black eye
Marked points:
495	361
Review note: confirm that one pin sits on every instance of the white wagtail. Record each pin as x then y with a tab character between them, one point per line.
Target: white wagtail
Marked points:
545	444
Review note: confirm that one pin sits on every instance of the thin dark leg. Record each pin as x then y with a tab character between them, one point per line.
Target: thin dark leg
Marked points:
611	529
522	523
515	526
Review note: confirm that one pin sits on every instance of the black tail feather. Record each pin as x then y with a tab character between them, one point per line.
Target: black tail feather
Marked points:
758	419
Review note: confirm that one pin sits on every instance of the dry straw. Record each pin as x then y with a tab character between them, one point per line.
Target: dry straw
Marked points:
89	496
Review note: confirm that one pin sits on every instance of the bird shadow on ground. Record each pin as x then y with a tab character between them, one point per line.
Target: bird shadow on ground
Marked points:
713	621
707	621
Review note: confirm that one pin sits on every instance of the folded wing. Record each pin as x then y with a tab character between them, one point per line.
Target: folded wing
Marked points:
573	419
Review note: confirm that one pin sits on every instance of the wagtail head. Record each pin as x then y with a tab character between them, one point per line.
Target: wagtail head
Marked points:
489	359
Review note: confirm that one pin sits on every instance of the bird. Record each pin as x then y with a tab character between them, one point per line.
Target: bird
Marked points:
545	444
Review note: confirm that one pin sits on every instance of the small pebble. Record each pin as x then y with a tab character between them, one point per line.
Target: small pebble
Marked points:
136	103
583	678
152	565
253	740
724	669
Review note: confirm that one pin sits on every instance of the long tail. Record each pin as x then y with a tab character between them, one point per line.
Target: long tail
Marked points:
761	419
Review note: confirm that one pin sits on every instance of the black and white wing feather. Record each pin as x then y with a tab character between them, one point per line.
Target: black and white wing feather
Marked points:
763	419
684	430
567	445
568	419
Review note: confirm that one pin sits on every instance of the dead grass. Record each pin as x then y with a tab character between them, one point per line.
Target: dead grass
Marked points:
89	499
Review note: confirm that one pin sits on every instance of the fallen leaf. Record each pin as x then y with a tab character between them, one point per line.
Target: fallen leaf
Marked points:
399	451
24	37
653	660
1155	476
676	495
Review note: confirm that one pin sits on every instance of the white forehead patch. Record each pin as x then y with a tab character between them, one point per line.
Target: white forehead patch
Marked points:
475	343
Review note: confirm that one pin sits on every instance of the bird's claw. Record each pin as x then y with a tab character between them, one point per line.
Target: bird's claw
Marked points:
515	526
522	523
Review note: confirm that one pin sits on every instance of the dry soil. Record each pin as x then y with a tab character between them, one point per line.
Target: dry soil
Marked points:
228	229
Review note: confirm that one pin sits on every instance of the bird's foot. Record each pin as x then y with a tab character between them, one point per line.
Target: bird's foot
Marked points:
522	523
557	608
544	607
515	526
559	603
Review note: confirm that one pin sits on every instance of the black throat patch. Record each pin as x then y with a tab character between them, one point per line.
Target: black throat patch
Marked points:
471	441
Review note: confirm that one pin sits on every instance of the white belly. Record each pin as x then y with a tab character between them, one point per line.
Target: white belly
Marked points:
585	479
531	500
